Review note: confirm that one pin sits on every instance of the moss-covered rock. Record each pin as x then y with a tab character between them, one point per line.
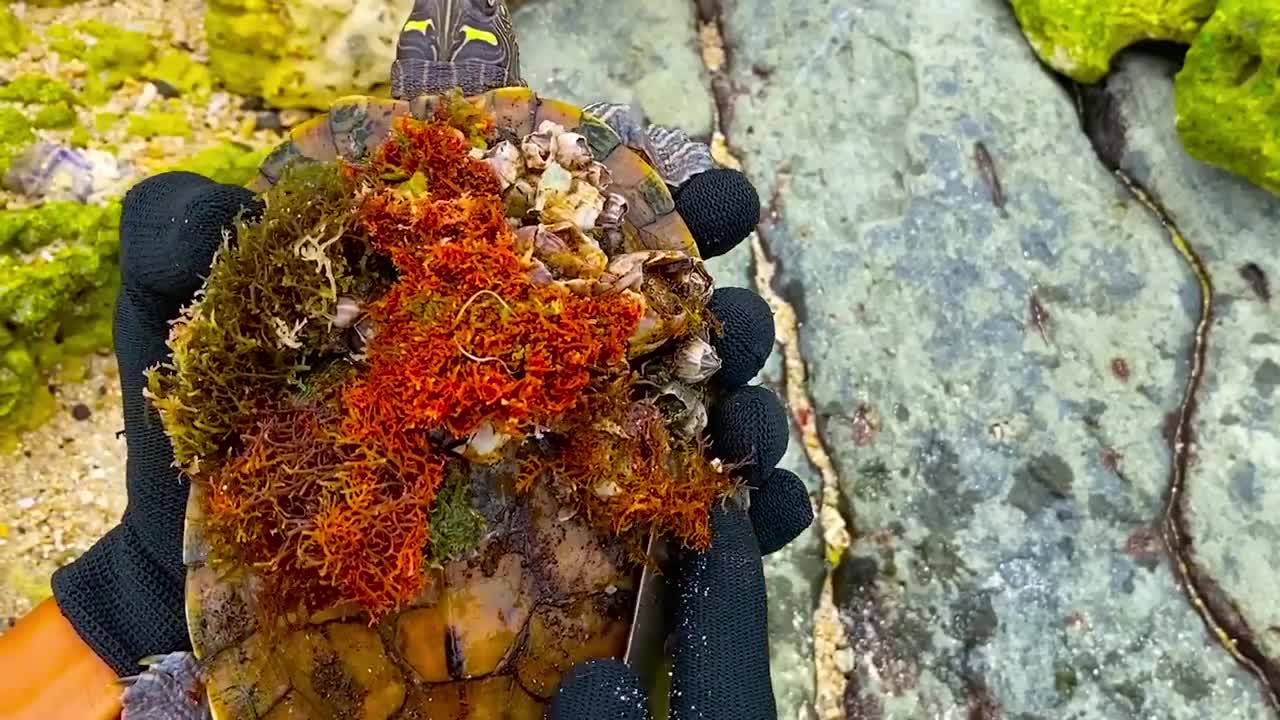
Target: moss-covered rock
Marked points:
54	307
157	123
13	34
36	89
15	134
59	116
180	71
1228	92
303	53
1079	37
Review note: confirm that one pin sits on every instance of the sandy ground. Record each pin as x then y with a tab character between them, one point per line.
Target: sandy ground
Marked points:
62	489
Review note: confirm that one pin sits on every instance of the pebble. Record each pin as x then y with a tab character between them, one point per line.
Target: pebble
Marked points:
26	503
81	412
165	89
267	120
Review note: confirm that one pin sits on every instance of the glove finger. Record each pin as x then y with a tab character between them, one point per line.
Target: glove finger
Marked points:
599	690
780	510
170	226
748	425
747	337
721	659
721	208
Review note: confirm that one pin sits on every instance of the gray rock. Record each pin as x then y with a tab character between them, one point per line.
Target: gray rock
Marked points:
644	54
1231	224
1003	557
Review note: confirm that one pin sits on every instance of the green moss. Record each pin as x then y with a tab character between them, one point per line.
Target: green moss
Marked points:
80	136
104	121
15	133
180	71
261	284
158	123
1228	92
227	163
13	34
37	89
53	309
64	41
56	116
455	526
1079	37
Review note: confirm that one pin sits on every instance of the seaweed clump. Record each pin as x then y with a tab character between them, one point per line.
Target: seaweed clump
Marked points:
377	330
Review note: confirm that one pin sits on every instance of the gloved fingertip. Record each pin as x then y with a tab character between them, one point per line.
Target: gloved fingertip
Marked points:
170	226
599	690
749	424
721	208
780	510
748	334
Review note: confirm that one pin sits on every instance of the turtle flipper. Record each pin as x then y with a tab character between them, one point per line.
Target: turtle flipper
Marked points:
171	688
677	156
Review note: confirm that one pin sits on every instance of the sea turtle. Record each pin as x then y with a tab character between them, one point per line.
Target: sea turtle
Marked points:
493	632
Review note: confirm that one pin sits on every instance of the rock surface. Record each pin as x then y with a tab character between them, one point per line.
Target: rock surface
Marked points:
646	56
303	53
992	362
1228	94
1079	37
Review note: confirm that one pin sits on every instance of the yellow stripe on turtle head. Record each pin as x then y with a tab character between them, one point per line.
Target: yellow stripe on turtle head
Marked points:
421	26
472	33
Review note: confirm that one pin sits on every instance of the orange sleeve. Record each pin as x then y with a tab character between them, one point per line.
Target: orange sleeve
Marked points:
51	674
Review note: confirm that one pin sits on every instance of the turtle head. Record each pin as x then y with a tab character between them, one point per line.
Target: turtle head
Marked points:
467	44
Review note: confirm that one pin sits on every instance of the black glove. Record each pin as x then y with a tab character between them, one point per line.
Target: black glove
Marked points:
125	595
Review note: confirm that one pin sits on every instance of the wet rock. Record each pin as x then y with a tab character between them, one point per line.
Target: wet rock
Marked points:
1237	422
915	292
267	120
646	56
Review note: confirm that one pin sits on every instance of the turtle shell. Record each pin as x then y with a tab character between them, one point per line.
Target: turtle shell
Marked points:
492	634
357	124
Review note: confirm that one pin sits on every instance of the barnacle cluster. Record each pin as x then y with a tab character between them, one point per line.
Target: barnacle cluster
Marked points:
388	325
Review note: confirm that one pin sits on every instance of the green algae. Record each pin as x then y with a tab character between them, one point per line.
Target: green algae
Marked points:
36	89
297	54
1079	37
158	123
13	34
179	70
1227	95
229	163
55	307
56	116
15	133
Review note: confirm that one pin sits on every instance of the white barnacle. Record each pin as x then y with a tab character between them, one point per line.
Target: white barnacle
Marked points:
571	151
598	175
696	360
484	444
615	209
536	148
506	161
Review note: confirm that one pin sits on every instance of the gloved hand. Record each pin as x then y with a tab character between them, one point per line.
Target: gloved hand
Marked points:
125	596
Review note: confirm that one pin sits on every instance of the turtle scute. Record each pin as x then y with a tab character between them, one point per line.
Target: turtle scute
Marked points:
432	402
